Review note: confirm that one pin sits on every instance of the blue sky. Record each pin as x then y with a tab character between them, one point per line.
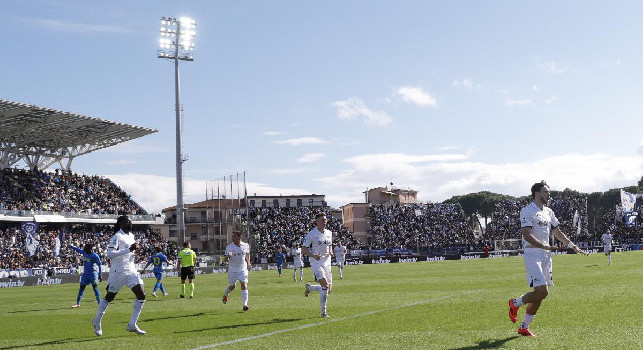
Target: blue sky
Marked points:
334	97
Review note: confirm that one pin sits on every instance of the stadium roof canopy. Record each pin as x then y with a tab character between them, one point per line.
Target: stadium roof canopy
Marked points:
42	136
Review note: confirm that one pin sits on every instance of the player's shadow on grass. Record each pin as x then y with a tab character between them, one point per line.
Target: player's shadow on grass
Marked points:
232	326
173	317
34	310
488	344
595	265
63	308
53	342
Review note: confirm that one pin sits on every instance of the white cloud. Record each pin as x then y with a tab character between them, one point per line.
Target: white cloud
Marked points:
394	161
551	67
262	189
155	193
435	177
514	102
122	162
534	87
137	146
302	141
285	171
467	83
439	179
551	99
273	133
352	108
83	28
310	157
415	95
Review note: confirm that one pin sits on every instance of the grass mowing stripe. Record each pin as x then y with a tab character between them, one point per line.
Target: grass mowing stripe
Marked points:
422	302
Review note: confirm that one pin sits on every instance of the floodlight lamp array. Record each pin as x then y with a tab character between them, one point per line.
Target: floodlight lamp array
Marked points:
177	33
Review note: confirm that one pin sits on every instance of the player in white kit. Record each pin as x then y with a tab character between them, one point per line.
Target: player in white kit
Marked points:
298	263
238	256
317	245
340	258
121	252
537	222
607	248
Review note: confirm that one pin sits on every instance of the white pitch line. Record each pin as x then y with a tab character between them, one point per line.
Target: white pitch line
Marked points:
329	321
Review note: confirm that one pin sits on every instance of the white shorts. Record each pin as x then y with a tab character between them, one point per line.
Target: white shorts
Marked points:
240	275
538	267
607	249
297	264
340	261
323	271
117	280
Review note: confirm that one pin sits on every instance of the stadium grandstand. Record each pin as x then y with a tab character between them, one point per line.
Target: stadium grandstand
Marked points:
43	212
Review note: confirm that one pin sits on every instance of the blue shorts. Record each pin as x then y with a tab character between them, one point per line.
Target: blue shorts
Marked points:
158	274
88	279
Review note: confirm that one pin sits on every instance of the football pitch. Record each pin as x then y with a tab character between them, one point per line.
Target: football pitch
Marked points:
425	305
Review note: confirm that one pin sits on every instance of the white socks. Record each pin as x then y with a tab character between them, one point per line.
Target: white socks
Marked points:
323	297
136	312
244	297
526	321
102	307
518	302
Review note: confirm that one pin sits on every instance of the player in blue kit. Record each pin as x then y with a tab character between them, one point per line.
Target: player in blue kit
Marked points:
157	259
280	257
90	273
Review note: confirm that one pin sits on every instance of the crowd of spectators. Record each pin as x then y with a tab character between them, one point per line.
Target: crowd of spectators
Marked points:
14	254
505	220
570	210
273	228
623	233
424	228
63	191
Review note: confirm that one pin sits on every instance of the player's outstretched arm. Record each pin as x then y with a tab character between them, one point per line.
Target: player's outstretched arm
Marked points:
563	238
580	251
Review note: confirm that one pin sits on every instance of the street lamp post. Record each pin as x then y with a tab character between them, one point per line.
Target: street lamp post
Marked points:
177	43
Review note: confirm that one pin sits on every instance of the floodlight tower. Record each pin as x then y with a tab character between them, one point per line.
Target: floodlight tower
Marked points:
177	43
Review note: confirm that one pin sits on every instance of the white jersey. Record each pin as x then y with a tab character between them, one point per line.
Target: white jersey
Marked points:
541	222
607	239
237	262
121	259
297	259
340	253
318	243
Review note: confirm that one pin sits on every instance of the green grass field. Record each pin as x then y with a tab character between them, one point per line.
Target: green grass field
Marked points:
427	305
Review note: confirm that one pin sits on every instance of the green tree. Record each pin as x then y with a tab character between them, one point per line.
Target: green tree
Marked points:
479	204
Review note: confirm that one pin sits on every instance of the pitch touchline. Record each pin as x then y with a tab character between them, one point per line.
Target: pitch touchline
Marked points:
328	321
